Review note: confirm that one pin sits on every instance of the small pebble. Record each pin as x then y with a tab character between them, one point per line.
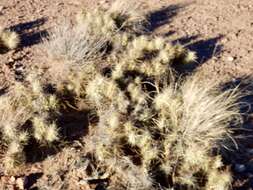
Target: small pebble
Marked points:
230	59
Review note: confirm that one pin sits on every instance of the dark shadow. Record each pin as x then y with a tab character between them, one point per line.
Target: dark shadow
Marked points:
3	91
205	50
32	179
20	28
102	185
35	152
3	49
161	17
28	34
29	39
185	40
73	125
167	34
240	155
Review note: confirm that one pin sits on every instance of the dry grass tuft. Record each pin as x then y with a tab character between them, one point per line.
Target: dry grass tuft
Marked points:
73	44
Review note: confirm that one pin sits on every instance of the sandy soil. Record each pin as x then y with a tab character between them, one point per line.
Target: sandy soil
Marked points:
220	31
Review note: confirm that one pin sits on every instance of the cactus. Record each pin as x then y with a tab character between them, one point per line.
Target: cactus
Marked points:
21	105
9	39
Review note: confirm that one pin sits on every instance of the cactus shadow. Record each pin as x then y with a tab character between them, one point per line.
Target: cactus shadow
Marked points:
239	155
28	25
31	179
74	125
185	40
162	16
28	34
205	50
32	38
3	49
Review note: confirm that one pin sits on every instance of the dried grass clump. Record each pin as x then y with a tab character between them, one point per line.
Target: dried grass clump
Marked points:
72	54
8	39
72	44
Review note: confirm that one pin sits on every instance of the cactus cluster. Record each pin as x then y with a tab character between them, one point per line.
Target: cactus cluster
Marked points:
121	16
8	39
28	112
151	56
170	131
149	130
98	42
152	131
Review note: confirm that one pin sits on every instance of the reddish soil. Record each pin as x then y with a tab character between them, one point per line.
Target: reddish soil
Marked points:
220	31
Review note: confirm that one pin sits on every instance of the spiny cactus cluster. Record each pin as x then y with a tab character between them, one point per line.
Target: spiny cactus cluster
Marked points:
8	39
120	16
170	131
152	131
85	48
27	112
149	130
153	57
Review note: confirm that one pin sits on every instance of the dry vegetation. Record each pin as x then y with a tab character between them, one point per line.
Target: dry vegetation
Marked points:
148	127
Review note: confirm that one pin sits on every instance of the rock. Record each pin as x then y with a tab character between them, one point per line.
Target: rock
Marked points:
230	58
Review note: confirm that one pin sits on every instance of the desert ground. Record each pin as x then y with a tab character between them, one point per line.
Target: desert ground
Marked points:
219	31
